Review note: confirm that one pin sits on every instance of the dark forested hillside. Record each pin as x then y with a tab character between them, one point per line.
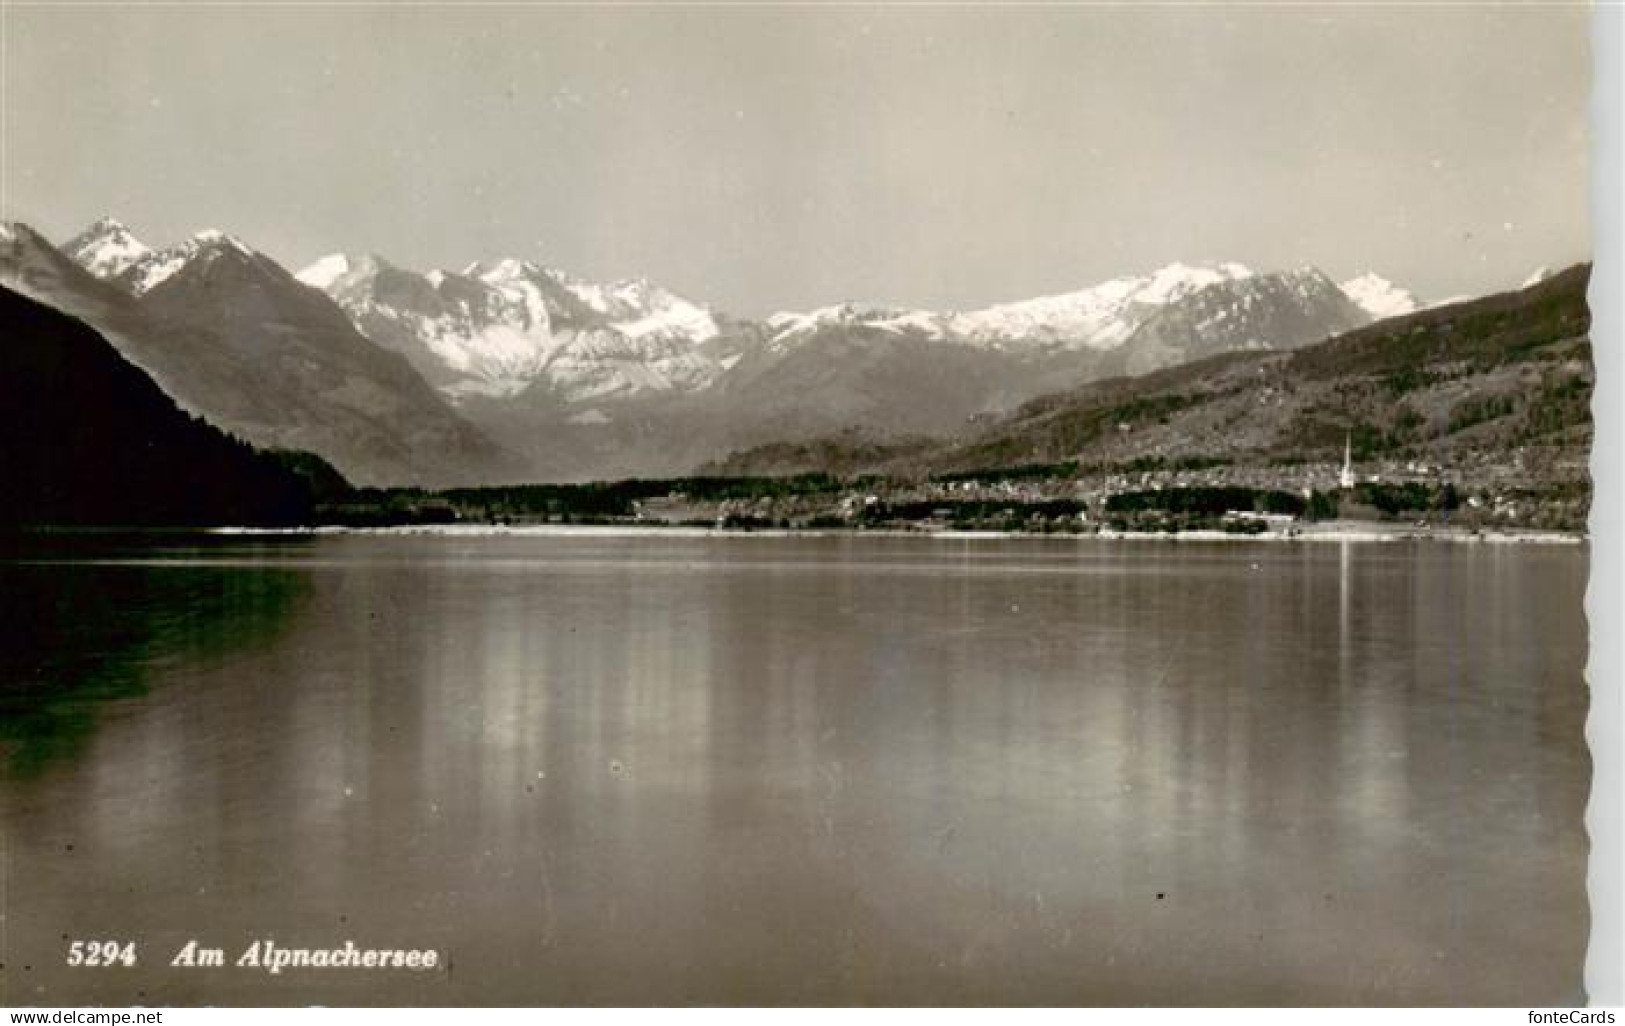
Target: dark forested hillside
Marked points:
87	438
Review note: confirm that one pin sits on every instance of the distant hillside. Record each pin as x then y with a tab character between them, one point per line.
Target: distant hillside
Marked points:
843	454
87	438
1504	380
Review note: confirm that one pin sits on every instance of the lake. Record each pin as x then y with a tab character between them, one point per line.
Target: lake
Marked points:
734	769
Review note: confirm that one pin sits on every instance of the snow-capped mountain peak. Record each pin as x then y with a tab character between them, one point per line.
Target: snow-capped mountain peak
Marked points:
787	326
158	266
498	326
107	248
342	271
215	237
1177	280
1176	309
1101	316
663	313
1379	297
507	269
629	296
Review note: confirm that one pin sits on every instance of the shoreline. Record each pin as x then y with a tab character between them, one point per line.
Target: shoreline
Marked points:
1366	534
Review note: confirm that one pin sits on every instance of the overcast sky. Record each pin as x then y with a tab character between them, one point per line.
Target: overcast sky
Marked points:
776	157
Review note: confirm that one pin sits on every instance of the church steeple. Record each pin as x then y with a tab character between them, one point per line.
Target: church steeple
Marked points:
1345	478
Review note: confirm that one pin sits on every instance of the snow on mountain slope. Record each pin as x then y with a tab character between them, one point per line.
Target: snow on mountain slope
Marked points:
106	249
498	327
1099	317
324	272
452	327
786	329
111	252
153	270
1276	310
637	307
1379	297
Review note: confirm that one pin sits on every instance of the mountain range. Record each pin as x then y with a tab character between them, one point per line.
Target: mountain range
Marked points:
507	370
234	338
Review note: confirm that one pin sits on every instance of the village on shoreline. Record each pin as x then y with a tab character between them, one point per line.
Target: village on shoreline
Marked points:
1536	497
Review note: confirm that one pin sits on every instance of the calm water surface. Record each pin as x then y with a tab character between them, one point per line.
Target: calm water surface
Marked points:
810	770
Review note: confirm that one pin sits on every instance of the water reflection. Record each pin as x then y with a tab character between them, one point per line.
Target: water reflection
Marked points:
855	770
79	628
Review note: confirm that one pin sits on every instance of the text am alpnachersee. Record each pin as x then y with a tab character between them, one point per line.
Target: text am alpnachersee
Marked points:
273	958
